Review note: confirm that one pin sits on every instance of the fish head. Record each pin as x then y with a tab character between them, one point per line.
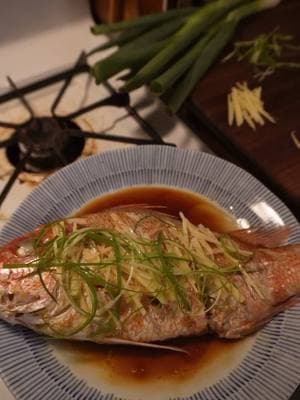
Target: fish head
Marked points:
22	293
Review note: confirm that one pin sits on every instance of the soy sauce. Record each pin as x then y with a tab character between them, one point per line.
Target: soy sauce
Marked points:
198	209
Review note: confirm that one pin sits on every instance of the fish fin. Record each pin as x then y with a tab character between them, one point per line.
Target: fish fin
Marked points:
292	301
277	309
249	327
141	344
289	250
272	237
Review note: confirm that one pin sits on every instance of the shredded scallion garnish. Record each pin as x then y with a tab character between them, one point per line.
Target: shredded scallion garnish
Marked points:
102	272
267	53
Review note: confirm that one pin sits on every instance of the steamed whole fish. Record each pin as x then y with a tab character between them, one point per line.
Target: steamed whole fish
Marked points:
134	275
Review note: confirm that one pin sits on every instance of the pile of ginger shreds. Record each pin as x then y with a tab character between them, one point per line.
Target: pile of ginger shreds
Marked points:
246	105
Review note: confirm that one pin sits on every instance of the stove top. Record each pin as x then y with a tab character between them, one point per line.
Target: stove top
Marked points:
56	120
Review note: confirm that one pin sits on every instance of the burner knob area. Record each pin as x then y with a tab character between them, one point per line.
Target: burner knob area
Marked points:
49	141
42	134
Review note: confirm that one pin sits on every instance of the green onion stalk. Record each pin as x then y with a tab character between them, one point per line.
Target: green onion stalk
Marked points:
103	70
137	51
209	53
195	25
171	75
119	40
146	21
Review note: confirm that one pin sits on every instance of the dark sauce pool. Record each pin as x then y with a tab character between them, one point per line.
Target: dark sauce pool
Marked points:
198	209
136	364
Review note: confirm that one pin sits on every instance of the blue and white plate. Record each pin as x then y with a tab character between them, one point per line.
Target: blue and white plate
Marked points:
263	367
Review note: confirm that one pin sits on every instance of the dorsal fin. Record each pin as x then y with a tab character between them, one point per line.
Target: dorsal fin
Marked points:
260	237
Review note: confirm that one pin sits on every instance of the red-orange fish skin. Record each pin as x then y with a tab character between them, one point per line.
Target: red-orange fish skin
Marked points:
160	322
274	274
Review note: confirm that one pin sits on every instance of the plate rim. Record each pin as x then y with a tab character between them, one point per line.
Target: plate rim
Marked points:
49	181
61	174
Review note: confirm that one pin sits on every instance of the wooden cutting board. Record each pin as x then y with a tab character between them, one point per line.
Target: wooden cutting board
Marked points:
269	152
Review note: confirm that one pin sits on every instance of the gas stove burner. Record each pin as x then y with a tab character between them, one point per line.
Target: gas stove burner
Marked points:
43	144
51	142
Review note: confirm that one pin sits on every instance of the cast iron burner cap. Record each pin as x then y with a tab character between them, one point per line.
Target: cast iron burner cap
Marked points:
50	141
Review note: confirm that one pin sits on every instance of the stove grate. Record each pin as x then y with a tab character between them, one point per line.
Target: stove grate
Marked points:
48	143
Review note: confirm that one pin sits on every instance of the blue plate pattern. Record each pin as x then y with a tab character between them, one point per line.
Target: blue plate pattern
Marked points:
271	369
